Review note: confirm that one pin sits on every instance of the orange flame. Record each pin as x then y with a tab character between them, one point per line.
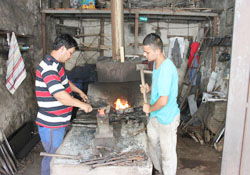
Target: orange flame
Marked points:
121	104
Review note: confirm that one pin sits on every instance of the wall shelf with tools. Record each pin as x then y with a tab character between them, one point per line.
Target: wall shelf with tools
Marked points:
22	39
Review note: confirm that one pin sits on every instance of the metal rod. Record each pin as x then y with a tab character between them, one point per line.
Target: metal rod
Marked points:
6	160
8	146
44	34
74	157
4	166
9	158
136	32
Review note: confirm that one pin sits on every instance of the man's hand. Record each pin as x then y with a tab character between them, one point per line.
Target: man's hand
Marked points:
86	107
83	96
146	108
145	88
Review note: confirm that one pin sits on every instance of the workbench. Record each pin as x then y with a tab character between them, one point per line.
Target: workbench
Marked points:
79	141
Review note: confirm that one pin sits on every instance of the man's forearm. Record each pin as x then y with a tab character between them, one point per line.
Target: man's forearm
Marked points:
67	99
74	88
160	103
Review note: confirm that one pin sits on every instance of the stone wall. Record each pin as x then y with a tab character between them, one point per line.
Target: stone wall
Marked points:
22	17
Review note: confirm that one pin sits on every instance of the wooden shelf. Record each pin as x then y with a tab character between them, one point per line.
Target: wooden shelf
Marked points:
4	33
7	50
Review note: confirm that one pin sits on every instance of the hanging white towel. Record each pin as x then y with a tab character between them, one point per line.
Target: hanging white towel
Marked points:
16	71
181	42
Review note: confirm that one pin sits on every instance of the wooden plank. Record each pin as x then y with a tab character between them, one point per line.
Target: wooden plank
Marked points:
235	158
130	11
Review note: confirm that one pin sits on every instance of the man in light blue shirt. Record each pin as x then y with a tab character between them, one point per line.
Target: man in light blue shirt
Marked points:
163	108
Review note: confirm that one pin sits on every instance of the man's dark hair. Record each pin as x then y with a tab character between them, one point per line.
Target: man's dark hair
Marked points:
64	40
153	40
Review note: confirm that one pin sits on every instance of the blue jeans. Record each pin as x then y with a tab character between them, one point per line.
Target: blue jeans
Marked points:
51	139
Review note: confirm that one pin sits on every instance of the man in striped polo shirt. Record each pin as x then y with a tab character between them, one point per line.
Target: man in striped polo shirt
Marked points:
54	97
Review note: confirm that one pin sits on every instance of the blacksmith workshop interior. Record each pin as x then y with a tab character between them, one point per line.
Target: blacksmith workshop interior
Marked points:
208	41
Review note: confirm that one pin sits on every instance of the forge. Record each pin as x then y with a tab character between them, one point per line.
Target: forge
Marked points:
107	142
111	139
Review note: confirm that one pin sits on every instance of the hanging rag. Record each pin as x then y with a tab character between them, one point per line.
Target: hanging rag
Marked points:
16	71
181	42
194	49
192	72
176	54
193	67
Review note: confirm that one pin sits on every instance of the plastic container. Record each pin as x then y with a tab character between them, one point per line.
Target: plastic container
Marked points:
87	4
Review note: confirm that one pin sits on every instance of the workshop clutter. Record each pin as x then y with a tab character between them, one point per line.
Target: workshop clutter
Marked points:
8	161
83	4
203	109
87	4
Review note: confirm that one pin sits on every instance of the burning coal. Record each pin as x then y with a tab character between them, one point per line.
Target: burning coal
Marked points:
121	104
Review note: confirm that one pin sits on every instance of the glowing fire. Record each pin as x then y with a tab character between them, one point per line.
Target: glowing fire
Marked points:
121	104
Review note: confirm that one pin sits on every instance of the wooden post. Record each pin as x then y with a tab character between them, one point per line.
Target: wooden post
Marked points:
236	148
122	54
136	32
215	27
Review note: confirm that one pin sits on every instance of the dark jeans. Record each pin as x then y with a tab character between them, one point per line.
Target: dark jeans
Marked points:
51	139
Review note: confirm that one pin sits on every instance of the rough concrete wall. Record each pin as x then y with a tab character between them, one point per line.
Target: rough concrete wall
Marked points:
21	17
213	4
225	28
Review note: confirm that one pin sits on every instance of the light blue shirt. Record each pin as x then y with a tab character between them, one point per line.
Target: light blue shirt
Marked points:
165	83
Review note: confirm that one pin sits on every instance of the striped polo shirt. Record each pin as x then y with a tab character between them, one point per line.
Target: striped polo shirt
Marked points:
50	79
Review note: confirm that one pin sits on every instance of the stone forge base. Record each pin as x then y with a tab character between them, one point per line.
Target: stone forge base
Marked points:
79	140
105	170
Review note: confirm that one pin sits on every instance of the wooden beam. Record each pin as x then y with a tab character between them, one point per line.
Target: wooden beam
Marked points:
236	148
171	12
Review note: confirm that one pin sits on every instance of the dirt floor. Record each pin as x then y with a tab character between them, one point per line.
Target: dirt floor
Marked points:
193	159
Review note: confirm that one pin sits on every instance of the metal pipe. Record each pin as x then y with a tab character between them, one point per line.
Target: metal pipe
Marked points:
44	34
8	146
117	27
101	36
136	32
215	28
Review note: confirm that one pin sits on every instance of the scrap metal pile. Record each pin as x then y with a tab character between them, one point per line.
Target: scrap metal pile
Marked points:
130	158
8	161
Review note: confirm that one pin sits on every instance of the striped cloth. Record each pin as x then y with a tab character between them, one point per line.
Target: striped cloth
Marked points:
51	79
16	71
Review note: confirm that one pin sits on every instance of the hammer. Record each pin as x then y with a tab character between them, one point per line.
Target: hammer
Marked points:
141	67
